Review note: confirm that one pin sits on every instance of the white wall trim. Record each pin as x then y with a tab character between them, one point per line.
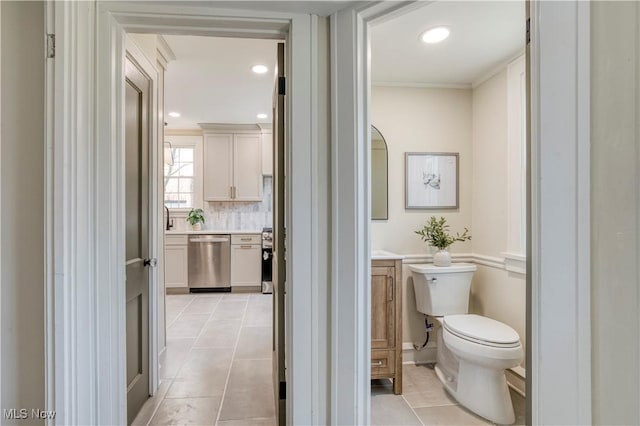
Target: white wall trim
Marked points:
558	270
510	262
425	356
515	263
421	85
495	70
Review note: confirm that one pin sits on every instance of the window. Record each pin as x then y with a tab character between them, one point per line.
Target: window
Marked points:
179	179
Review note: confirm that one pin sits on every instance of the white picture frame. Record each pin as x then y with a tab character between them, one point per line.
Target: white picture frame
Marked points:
431	180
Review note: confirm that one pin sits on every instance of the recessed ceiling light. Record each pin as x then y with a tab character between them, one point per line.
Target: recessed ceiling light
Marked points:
259	69
435	35
174	114
261	116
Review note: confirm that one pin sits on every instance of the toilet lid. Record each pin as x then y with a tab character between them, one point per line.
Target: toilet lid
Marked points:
482	330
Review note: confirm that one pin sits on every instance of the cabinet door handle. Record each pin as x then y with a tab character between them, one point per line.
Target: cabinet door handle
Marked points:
246	247
234	192
231	192
390	288
376	363
246	239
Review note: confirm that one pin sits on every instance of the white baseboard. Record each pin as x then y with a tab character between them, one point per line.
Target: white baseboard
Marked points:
516	379
412	356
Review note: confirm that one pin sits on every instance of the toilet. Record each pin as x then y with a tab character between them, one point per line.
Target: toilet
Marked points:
473	351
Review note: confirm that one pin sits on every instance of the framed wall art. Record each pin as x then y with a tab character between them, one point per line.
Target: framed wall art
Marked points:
431	180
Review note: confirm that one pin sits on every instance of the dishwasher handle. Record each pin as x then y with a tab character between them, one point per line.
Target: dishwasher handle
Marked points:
209	240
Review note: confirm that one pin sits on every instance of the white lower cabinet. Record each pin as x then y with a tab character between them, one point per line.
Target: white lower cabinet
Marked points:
246	261
175	261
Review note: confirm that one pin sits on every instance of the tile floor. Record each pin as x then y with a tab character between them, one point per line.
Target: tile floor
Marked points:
424	402
216	369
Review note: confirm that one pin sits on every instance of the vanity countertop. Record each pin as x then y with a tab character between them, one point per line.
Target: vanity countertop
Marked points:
385	255
216	231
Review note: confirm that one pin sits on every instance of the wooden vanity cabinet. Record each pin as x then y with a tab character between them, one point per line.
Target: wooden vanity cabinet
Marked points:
386	321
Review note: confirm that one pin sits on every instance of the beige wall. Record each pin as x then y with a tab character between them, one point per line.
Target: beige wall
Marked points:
420	120
615	212
22	224
495	293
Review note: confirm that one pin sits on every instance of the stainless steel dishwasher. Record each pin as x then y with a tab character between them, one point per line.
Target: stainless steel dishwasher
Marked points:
209	264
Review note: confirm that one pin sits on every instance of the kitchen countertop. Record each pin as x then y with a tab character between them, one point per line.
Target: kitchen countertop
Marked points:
385	255
216	231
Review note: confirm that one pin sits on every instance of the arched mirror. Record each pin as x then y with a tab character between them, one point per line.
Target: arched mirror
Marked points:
379	176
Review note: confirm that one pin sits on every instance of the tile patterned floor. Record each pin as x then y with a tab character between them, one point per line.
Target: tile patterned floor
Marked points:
424	402
216	369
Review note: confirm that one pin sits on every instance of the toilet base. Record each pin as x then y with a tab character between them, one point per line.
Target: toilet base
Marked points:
484	392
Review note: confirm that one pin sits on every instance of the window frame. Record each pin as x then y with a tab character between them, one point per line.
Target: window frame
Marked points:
195	142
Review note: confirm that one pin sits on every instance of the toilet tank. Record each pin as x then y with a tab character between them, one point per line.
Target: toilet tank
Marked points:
442	290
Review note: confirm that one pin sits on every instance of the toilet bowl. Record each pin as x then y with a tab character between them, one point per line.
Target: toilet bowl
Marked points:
484	349
472	351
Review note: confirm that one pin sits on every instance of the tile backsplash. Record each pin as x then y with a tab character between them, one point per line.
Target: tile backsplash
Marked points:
242	216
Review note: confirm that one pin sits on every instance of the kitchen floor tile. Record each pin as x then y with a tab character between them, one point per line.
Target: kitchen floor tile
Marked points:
219	334
172	358
149	407
187	325
206	362
259	312
217	363
248	422
254	343
187	411
203	305
230	309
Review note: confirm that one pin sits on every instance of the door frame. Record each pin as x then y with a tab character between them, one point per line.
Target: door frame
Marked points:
86	348
558	286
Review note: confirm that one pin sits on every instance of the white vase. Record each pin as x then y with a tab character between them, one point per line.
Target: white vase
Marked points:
196	226
442	258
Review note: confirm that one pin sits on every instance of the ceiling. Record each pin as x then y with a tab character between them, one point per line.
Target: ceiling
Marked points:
211	81
484	35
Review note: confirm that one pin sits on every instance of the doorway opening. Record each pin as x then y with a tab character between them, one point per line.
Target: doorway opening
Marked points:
214	318
448	101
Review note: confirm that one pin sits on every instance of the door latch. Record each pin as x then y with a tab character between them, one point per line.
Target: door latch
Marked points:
150	262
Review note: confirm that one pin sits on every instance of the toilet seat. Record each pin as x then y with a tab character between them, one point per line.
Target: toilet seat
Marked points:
481	330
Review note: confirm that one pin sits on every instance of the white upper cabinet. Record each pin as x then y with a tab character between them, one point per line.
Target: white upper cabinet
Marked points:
247	163
267	152
232	163
218	167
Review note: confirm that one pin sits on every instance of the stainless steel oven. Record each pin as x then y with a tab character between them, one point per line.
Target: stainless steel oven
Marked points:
267	260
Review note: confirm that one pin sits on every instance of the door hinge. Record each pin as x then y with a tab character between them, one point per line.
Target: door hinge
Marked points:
282	392
282	84
51	45
528	30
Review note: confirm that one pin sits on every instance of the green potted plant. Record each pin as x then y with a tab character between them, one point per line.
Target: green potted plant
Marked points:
436	233
196	218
